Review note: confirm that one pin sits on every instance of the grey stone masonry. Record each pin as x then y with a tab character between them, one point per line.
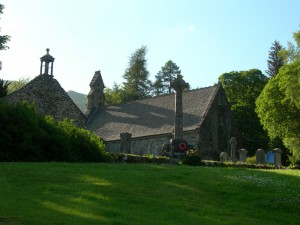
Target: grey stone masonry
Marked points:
233	143
95	96
277	152
48	96
260	156
178	85
223	157
242	155
125	142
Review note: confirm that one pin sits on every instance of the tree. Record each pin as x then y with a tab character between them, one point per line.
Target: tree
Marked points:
158	86
278	106
137	85
16	85
279	110
292	52
114	95
3	40
3	88
275	61
165	76
242	88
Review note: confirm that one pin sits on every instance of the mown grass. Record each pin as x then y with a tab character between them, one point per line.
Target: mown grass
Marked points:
68	194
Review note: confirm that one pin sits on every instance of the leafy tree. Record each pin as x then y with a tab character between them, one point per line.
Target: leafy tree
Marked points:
3	40
16	85
164	77
279	103
242	88
292	52
279	110
137	85
114	95
275	61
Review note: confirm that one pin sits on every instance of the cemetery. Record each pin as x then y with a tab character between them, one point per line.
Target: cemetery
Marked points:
162	152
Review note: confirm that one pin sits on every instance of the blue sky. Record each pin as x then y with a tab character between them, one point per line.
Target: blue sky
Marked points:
205	38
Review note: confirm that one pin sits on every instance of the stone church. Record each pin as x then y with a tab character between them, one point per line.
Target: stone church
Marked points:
146	124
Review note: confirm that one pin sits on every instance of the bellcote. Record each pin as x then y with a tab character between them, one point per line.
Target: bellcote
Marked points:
47	64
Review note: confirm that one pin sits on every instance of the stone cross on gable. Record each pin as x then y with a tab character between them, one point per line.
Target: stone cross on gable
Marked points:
178	85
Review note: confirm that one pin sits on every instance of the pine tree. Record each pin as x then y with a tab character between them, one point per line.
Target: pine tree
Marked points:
158	86
275	61
137	84
163	78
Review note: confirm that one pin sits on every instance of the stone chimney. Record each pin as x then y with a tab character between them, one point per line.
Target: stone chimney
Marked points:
96	96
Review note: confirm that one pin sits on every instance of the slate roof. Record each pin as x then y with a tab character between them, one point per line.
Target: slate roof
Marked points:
50	99
152	116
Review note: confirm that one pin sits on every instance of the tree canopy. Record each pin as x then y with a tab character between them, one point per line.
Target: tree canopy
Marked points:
242	88
137	84
275	61
3	41
164	77
278	106
3	38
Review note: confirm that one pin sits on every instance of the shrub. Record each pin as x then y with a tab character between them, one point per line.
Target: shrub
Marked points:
251	160
192	158
27	136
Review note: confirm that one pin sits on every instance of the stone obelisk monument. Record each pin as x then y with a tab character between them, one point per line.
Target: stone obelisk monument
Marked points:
178	85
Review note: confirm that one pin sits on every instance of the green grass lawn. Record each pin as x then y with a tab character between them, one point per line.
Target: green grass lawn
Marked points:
144	194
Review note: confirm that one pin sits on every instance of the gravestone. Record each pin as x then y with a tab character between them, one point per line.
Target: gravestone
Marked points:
223	157
277	152
270	157
125	146
242	155
260	156
233	149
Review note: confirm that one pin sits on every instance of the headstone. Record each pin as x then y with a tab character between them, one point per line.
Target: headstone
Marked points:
260	156
242	155
178	85
125	142
223	157
277	152
270	157
233	149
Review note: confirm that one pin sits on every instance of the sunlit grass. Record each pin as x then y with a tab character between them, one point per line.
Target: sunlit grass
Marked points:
67	194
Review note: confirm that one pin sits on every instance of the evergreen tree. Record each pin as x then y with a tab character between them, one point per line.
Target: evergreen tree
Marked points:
275	61
167	74
3	88
158	86
137	85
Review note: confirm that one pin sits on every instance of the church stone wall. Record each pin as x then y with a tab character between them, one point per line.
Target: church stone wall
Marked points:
150	144
217	129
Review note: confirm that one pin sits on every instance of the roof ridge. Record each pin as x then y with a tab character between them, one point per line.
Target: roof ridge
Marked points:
162	96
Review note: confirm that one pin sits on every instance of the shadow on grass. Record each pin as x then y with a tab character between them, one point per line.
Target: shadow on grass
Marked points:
66	194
